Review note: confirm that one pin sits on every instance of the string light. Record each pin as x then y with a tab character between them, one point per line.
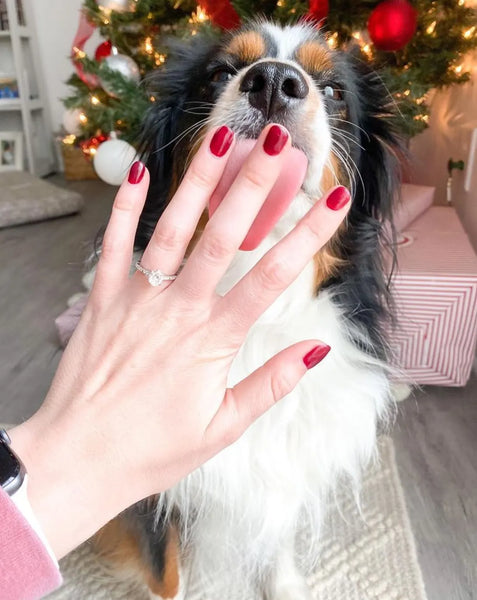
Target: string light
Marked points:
106	16
148	48
406	92
461	2
159	59
69	139
424	118
469	33
333	41
94	100
366	48
199	16
83	118
356	35
458	69
78	53
430	30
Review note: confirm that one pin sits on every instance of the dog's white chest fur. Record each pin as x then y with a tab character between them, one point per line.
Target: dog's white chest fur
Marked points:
246	504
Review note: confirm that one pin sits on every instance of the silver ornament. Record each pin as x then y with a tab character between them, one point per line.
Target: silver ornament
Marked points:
122	64
117	5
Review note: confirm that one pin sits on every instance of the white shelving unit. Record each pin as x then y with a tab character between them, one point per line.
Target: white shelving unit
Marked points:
28	113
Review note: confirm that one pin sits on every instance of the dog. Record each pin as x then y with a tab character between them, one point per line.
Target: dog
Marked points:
232	525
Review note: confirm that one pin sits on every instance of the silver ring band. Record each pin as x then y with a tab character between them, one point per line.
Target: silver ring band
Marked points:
155	278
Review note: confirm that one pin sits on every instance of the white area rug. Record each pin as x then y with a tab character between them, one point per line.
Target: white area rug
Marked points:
367	556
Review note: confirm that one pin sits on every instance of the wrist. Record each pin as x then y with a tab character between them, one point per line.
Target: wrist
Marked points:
72	489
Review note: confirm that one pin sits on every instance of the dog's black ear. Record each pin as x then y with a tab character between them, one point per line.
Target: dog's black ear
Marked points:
164	123
362	286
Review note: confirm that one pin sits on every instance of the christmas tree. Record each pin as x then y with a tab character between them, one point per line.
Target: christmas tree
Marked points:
417	46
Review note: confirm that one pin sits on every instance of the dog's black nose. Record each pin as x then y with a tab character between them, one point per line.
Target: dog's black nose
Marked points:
273	87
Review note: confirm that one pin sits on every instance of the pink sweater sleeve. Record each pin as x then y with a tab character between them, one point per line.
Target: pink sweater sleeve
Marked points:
27	571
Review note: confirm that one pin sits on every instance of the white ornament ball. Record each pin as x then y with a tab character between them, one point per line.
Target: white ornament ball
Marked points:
113	159
117	5
71	121
122	64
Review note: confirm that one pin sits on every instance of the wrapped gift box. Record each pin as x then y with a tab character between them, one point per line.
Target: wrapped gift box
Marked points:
435	290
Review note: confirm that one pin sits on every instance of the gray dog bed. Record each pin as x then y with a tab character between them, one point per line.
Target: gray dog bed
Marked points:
26	199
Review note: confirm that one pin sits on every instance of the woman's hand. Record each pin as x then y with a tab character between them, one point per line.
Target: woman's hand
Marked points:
140	399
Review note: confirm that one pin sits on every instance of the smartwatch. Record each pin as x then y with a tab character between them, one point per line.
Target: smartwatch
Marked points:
13	480
12	470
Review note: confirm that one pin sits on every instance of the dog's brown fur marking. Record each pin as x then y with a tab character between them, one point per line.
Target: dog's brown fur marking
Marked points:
314	57
116	544
328	260
248	46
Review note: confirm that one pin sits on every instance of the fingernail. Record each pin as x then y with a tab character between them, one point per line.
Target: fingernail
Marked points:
136	172
275	141
221	140
316	355
338	198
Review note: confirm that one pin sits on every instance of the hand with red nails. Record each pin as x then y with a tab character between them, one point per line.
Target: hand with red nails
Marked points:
140	398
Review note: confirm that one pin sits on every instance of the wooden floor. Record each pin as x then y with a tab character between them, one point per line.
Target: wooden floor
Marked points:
435	433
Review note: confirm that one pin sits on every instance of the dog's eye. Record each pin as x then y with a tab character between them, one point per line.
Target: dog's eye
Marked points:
333	92
221	75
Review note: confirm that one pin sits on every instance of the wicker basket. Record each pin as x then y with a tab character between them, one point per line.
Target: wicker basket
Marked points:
76	165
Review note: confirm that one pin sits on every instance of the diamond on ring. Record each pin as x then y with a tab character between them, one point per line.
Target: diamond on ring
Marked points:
155	278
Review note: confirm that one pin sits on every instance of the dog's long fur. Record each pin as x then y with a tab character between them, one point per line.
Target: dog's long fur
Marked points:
238	515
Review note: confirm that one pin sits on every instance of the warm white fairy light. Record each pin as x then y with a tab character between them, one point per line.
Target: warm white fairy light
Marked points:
69	139
333	41
458	69
469	33
461	2
201	14
356	35
78	53
148	47
367	49
159	59
83	118
430	30
94	100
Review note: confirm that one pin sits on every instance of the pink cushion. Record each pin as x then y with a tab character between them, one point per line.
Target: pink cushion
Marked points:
415	199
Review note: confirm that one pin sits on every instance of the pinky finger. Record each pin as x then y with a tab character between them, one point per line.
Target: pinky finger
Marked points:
261	390
118	242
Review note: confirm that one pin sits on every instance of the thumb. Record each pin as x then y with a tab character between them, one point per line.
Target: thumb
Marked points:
258	392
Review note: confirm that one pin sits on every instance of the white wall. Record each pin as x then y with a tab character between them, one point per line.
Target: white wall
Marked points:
453	117
56	22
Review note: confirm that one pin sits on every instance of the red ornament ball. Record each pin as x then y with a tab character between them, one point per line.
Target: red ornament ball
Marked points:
103	51
318	10
222	13
392	24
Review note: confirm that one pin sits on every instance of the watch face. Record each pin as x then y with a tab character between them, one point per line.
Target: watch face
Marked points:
10	468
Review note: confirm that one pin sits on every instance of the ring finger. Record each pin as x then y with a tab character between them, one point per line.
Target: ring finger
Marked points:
174	230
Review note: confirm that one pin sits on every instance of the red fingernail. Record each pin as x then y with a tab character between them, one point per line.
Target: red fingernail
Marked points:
221	140
275	141
316	355
136	172
338	198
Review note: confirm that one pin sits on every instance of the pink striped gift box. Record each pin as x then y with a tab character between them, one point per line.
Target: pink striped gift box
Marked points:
435	290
